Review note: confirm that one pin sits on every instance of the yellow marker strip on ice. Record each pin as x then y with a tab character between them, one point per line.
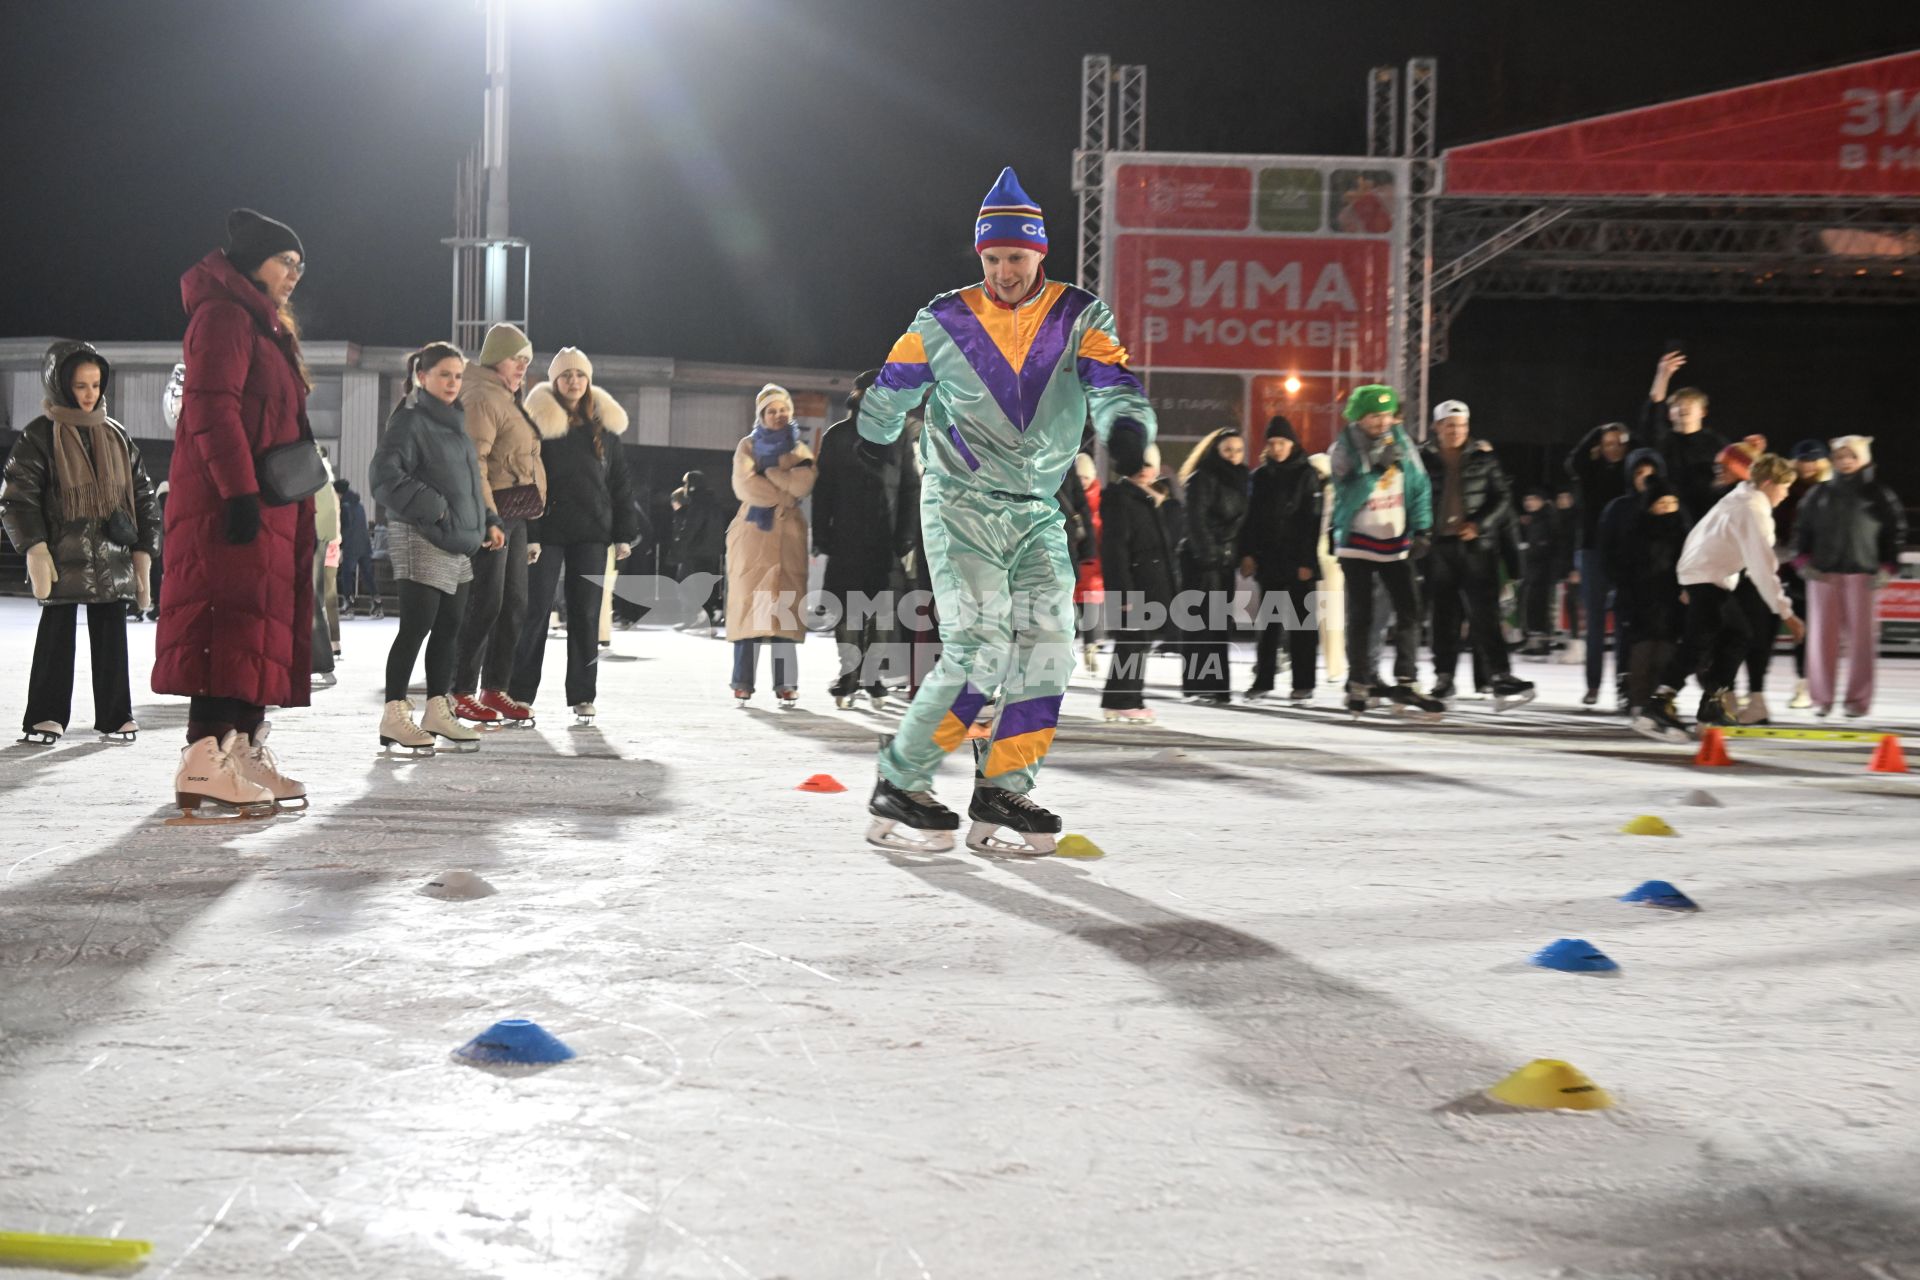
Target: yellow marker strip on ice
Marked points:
1802	735
70	1251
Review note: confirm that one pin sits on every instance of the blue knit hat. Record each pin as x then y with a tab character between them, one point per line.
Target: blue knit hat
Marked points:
1009	218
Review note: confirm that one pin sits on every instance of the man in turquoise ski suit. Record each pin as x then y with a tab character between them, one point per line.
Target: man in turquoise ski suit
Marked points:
1010	370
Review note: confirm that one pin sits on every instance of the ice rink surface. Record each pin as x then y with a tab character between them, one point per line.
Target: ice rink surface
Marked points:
1249	1042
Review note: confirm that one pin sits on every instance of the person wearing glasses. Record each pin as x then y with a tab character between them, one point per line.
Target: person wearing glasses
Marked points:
236	636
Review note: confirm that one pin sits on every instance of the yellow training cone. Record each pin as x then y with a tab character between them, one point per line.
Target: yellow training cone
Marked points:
1548	1085
1647	825
1078	846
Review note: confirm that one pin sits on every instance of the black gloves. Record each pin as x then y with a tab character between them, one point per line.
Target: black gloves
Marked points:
243	518
1127	446
1422	543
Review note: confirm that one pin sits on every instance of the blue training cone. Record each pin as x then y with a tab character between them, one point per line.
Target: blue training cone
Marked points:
514	1040
1658	893
1573	955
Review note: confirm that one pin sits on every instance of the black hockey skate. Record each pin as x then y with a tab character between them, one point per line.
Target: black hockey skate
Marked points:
1443	689
1658	721
1258	693
1715	711
1509	691
1362	698
1410	702
909	821
996	809
843	691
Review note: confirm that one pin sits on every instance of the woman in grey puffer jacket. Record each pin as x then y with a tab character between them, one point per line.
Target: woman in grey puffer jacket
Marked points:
426	473
78	503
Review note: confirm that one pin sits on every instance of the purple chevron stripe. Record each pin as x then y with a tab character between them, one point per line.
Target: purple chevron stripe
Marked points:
899	376
1030	716
968	704
1096	374
977	349
959	442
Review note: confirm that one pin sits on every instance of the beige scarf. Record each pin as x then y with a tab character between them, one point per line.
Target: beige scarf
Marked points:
90	486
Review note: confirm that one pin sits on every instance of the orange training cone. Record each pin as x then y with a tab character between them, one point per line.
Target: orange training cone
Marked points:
1888	757
824	783
1713	748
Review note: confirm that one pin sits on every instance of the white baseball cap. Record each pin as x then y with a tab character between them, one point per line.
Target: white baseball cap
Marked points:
1450	409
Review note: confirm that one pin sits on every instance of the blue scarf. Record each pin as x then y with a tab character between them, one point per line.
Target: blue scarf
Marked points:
768	447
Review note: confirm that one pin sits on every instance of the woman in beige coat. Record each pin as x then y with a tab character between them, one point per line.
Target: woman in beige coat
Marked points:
767	546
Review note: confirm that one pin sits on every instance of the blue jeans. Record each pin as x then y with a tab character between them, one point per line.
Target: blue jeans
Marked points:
786	663
1596	597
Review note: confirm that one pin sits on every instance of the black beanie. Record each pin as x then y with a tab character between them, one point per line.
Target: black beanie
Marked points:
252	238
1278	428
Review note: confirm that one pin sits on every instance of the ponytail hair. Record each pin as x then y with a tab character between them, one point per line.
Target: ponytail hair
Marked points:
425	358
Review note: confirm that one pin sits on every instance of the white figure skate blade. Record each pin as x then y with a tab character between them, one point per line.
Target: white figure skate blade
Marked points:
454	746
885	833
1516	700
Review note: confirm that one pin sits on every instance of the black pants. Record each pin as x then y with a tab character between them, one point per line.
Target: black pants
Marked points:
160	576
865	640
572	564
1715	643
217	717
356	577
322	638
1303	639
1790	579
1763	626
50	686
432	617
1464	580
1536	597
490	633
1204	656
1127	677
1397	577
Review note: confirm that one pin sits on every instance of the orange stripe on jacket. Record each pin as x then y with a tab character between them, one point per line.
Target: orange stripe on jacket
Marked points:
909	350
1010	754
1013	331
1099	345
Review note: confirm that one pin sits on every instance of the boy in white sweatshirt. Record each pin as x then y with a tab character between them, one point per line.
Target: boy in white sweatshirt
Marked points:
1735	537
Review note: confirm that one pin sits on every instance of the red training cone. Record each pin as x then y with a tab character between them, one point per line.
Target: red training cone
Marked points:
1713	748
821	782
1888	757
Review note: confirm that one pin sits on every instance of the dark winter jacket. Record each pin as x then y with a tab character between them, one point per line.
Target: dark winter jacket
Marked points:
238	621
1565	522
1138	554
91	568
862	509
427	474
1597	482
1282	528
1216	509
1850	524
1071	498
1641	552
355	542
1486	495
1689	458
699	528
589	496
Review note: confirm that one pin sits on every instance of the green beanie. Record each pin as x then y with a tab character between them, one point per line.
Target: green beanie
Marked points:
1372	398
504	342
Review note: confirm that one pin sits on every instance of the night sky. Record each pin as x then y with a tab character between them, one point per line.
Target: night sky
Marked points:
777	181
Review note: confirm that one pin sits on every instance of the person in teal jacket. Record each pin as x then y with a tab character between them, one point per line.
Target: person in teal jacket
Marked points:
1382	521
1010	370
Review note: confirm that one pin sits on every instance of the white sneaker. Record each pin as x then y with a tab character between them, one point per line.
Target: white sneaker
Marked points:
1130	715
441	721
1801	699
207	775
254	760
1754	710
398	732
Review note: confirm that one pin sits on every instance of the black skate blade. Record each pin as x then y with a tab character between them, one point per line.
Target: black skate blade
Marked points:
887	833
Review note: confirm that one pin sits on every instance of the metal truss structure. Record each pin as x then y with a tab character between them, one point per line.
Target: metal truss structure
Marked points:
1423	181
1113	117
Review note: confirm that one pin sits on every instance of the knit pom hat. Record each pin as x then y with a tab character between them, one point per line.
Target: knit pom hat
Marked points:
1737	458
1009	218
1372	398
1278	428
504	342
768	394
1862	447
252	238
567	358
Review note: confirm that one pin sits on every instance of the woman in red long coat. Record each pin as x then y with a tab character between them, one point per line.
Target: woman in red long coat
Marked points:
236	633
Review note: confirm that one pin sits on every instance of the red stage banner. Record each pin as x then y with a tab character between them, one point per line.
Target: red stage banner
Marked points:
1253	303
1187	197
1853	130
